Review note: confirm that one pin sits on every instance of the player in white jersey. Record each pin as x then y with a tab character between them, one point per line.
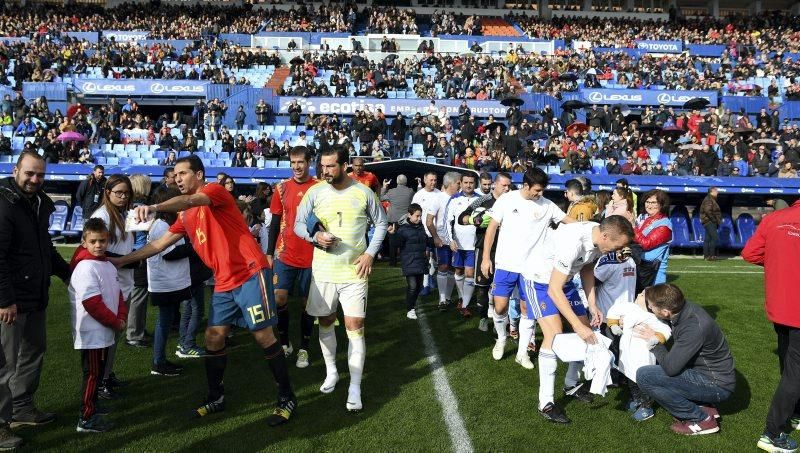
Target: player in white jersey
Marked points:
550	294
436	221
462	242
525	216
424	197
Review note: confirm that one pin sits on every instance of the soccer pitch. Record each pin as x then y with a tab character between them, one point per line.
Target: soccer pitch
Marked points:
496	401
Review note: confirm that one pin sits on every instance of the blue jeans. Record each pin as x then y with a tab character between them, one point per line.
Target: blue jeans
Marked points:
163	323
680	394
191	313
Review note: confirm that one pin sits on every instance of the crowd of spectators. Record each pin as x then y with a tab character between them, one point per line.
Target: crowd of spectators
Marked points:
391	20
448	23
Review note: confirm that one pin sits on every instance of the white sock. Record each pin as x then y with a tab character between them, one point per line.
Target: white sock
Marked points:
573	374
451	282
356	352
500	322
469	287
547	377
525	332
327	343
441	280
459	280
426	281
514	323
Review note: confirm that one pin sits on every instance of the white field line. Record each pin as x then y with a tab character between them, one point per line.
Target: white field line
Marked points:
710	272
459	437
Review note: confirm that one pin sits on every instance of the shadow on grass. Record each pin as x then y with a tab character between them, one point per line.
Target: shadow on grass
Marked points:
740	399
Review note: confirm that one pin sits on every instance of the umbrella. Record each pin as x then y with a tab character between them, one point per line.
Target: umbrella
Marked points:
493	126
652	127
744	130
568	76
391	56
592	71
749	87
765	141
692	146
573	104
576	128
71	137
297	61
672	131
508	102
631	117
695	103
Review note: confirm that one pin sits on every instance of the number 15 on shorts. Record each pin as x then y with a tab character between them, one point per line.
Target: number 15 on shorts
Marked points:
256	314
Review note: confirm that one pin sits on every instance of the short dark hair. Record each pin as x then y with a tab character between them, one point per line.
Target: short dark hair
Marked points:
503	174
619	225
195	164
169	169
96	167
300	150
661	197
28	154
535	176
339	151
414	207
485	176
430	173
468	175
665	296
573	185
94	225
623	182
712	188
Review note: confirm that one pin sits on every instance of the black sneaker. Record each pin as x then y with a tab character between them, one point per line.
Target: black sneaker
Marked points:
209	407
443	306
166	369
107	393
115	382
579	392
95	424
8	441
283	411
554	414
31	416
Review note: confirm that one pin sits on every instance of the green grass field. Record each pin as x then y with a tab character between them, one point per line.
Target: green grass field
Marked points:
497	400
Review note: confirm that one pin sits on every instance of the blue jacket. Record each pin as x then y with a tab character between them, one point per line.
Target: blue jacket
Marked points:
411	239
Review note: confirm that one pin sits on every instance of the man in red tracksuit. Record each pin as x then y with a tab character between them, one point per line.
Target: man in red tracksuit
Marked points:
776	246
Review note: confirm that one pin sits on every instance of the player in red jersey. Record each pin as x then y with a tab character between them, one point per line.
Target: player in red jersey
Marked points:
292	263
364	177
209	218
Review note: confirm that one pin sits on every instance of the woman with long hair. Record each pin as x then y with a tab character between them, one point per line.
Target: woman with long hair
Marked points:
621	203
137	312
113	210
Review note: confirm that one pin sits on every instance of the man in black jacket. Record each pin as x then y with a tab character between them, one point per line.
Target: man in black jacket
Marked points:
27	260
697	372
90	191
707	162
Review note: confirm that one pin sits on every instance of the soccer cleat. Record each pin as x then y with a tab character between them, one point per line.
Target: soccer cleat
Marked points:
354	399
95	424
166	369
483	325
190	353
288	350
643	413
330	383
532	346
689	428
498	349
210	407
443	305
302	358
283	411
412	314
525	361
579	392
514	334
554	414
778	444
107	393
794	422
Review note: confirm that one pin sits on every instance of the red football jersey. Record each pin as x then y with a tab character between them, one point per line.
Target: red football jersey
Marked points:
221	238
290	249
368	179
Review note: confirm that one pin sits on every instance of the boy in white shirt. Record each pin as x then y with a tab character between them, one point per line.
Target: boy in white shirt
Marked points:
98	312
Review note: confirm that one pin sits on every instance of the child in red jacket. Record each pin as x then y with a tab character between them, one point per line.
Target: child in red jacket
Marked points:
98	313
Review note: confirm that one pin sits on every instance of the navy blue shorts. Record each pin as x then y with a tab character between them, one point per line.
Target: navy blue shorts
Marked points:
252	303
285	277
444	256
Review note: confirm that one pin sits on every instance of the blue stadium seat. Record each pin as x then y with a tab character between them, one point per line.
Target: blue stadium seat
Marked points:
160	155
140	161
75	223
134	154
121	154
112	161
125	161
58	219
151	161
727	238
147	154
223	155
745	226
100	160
680	232
283	164
183	154
699	231
271	163
5	160
217	163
